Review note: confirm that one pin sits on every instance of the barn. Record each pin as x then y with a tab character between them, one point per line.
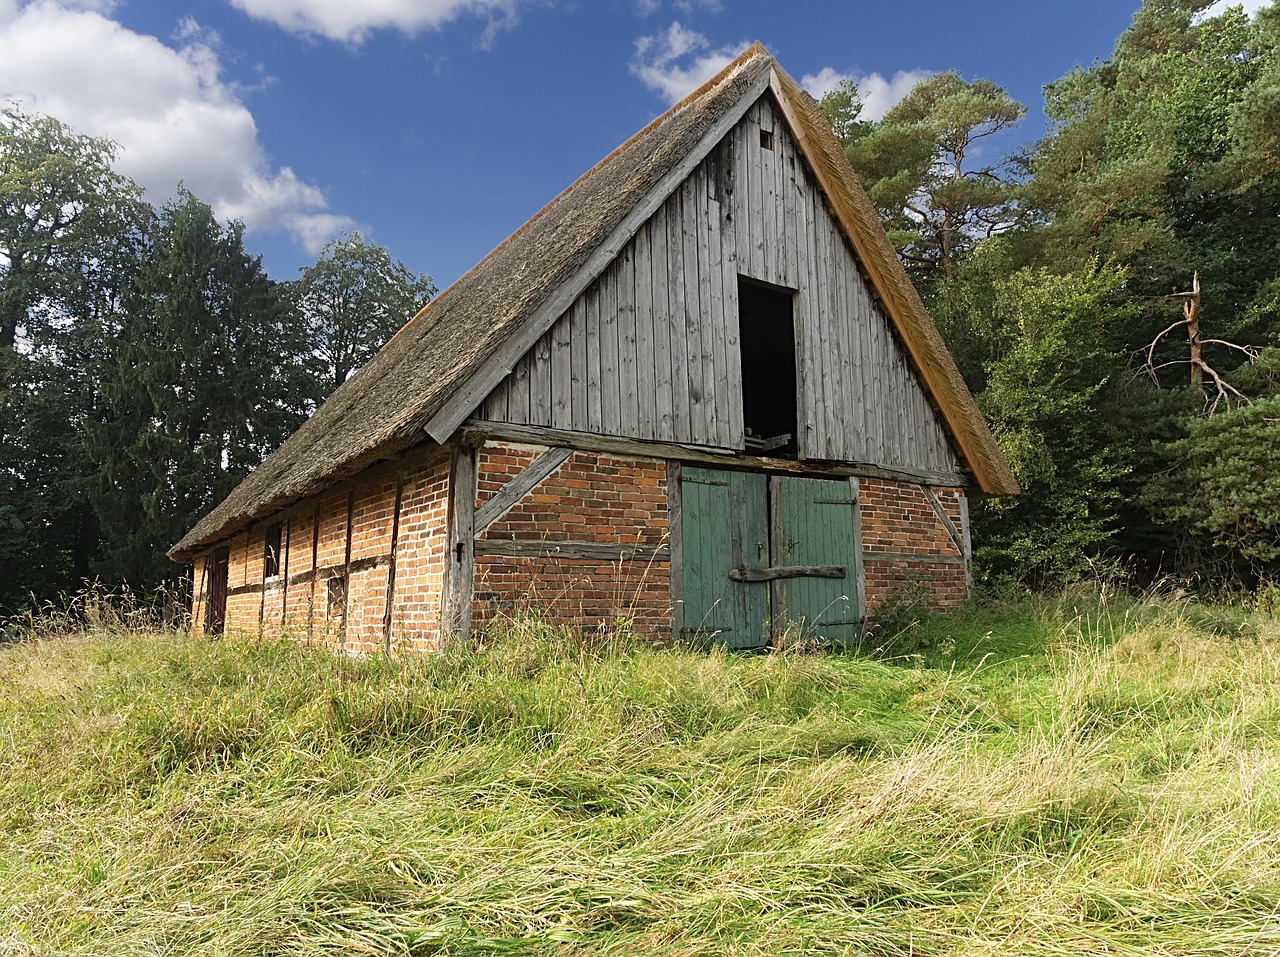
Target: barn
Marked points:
696	393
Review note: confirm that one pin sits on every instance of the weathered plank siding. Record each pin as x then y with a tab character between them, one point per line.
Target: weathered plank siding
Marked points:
651	351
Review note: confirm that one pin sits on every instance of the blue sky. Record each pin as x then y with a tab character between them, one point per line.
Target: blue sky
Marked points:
437	127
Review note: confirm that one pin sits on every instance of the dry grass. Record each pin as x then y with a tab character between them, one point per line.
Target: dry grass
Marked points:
1089	775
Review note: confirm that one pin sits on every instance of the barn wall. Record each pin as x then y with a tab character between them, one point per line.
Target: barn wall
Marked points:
335	565
420	558
908	553
651	349
606	500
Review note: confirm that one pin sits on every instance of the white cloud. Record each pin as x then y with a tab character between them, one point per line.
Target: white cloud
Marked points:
1250	7
677	62
350	21
169	110
878	95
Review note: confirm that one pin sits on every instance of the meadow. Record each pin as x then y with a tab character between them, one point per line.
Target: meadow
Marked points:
1093	773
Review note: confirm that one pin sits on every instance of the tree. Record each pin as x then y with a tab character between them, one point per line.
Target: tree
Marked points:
207	377
919	167
70	229
353	299
67	220
1046	388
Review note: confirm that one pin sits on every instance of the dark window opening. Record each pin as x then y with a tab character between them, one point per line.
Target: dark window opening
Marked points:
767	339
337	595
271	552
766	139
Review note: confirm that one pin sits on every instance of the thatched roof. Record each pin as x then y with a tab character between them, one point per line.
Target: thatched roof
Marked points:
459	345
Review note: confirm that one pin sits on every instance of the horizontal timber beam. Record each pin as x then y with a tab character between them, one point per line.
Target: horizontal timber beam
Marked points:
480	429
596	551
875	556
786	571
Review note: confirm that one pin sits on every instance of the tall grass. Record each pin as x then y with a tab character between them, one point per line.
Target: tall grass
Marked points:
1092	774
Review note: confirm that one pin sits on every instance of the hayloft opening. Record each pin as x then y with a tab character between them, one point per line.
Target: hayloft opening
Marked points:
767	339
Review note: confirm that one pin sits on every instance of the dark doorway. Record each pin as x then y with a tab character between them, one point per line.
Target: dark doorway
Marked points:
767	337
215	612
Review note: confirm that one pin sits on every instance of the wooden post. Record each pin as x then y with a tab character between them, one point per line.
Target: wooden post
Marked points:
459	564
391	565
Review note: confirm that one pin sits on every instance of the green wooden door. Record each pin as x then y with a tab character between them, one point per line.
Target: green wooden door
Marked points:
724	525
813	525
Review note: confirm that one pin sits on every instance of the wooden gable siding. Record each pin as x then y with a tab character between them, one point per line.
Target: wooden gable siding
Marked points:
650	350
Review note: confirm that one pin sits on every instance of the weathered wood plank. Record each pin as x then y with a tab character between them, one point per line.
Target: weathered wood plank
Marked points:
675	536
610	377
664	424
728	458
690	222
578	411
679	359
859	572
518	391
562	373
510	494
968	543
727	393
745	574
389	606
459	567
730	318
628	358
712	383
592	321
949	526
646	397
540	383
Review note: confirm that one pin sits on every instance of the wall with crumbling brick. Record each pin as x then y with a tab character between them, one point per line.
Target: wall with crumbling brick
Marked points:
611	501
908	552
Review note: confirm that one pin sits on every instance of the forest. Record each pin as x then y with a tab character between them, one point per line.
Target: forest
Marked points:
1111	294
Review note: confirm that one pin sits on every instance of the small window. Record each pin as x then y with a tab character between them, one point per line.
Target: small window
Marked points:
337	595
271	552
766	139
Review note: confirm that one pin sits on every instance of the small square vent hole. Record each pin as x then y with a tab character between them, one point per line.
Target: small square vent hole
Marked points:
766	139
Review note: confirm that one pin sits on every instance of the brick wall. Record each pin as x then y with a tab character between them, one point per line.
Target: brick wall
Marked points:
420	551
907	550
591	498
331	586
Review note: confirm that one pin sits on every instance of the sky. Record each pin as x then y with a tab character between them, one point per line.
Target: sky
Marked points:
437	127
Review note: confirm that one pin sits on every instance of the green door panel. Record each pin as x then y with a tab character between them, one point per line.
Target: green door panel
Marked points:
724	524
813	525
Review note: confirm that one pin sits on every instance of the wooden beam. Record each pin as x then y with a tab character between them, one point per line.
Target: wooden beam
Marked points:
952	532
699	455
391	565
859	572
506	497
570	551
878	556
459	560
472	392
745	574
675	535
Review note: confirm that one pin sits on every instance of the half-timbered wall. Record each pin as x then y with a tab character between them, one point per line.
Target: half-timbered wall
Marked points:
650	350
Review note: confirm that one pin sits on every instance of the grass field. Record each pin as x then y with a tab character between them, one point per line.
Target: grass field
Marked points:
1083	775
